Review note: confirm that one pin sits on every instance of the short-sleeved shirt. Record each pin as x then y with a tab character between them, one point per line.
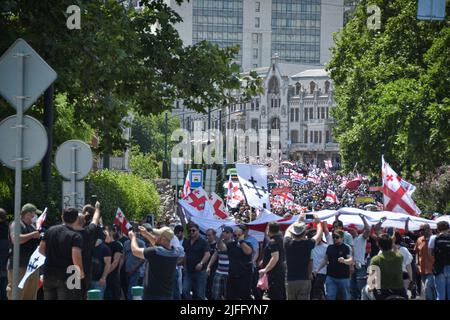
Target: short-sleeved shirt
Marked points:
336	269
131	261
89	235
59	241
160	272
240	263
275	245
424	257
194	253
115	247
255	246
390	264
26	249
298	257
317	255
98	260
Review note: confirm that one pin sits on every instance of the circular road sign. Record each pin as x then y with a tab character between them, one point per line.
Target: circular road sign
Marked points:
68	152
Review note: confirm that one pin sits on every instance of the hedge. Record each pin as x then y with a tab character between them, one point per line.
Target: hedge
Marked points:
135	196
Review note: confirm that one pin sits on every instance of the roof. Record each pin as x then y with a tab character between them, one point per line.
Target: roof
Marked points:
286	69
312	73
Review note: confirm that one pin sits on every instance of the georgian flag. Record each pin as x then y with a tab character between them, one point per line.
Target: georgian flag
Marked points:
40	221
234	193
186	188
331	197
295	175
395	196
313	178
253	179
219	207
197	198
328	164
121	221
286	198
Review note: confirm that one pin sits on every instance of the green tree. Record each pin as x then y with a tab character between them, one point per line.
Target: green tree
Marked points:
391	89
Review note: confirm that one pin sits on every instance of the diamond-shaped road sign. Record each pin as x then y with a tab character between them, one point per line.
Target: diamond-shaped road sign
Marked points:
38	75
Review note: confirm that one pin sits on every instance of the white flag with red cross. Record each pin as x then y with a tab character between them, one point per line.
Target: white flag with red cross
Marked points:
121	221
234	194
219	207
186	188
395	196
197	198
331	197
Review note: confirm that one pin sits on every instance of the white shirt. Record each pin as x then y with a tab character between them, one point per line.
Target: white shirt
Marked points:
317	256
431	242
177	244
359	245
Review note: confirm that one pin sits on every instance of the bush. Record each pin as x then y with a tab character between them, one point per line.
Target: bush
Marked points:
135	196
144	166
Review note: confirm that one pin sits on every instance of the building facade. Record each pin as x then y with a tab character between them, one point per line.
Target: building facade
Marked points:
300	31
297	101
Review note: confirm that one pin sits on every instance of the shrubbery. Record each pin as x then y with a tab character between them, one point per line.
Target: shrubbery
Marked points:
135	196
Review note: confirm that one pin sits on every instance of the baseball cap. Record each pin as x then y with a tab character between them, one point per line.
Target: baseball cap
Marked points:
28	207
165	232
228	229
298	228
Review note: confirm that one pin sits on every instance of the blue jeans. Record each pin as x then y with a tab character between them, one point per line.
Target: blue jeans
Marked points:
358	281
429	286
195	281
95	285
133	281
334	285
176	286
443	284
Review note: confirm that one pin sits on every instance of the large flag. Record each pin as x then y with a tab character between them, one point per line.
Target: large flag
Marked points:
36	260
253	179
395	196
408	186
218	206
121	221
186	188
331	197
197	198
234	194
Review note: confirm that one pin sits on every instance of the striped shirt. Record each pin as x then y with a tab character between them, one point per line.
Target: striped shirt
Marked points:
222	267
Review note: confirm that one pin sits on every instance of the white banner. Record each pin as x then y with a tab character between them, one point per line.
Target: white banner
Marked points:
253	179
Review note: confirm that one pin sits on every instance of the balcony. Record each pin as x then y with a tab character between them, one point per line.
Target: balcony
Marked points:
332	146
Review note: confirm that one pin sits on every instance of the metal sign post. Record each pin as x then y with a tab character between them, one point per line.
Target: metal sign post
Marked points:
24	76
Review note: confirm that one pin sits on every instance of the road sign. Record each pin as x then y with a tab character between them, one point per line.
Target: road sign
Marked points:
210	182
196	178
74	157
34	146
73	197
37	75
177	172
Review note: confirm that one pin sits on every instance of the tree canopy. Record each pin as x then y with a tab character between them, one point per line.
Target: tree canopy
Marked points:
392	89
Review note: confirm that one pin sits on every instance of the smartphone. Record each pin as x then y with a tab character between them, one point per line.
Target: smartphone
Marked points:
309	217
134	227
93	200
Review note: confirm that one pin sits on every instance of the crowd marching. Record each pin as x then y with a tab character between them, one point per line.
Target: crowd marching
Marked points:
308	259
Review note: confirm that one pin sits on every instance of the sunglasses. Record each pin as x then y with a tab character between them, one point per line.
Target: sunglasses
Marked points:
193	230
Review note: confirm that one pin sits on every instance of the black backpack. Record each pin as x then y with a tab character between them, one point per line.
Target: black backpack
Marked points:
441	253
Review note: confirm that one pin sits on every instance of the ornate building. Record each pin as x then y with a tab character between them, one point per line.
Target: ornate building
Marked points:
297	101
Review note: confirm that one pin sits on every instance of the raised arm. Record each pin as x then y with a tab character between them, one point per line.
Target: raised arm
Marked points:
137	252
366	231
318	237
96	217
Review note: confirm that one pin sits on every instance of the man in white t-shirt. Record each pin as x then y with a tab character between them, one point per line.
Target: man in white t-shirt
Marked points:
359	276
317	256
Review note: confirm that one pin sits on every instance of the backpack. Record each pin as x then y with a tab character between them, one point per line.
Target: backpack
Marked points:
441	252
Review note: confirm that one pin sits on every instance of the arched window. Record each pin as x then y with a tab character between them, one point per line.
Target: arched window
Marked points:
312	87
327	86
275	123
298	88
274	93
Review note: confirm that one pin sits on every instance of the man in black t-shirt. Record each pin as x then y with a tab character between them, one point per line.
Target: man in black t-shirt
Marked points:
240	265
338	258
62	246
162	260
101	263
298	258
196	260
29	241
274	262
212	243
88	227
112	291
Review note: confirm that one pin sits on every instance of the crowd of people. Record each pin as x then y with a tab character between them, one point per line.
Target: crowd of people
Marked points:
305	261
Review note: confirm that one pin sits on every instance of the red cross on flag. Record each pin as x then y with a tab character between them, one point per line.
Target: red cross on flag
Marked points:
234	193
218	205
197	198
395	197
186	187
122	222
331	197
